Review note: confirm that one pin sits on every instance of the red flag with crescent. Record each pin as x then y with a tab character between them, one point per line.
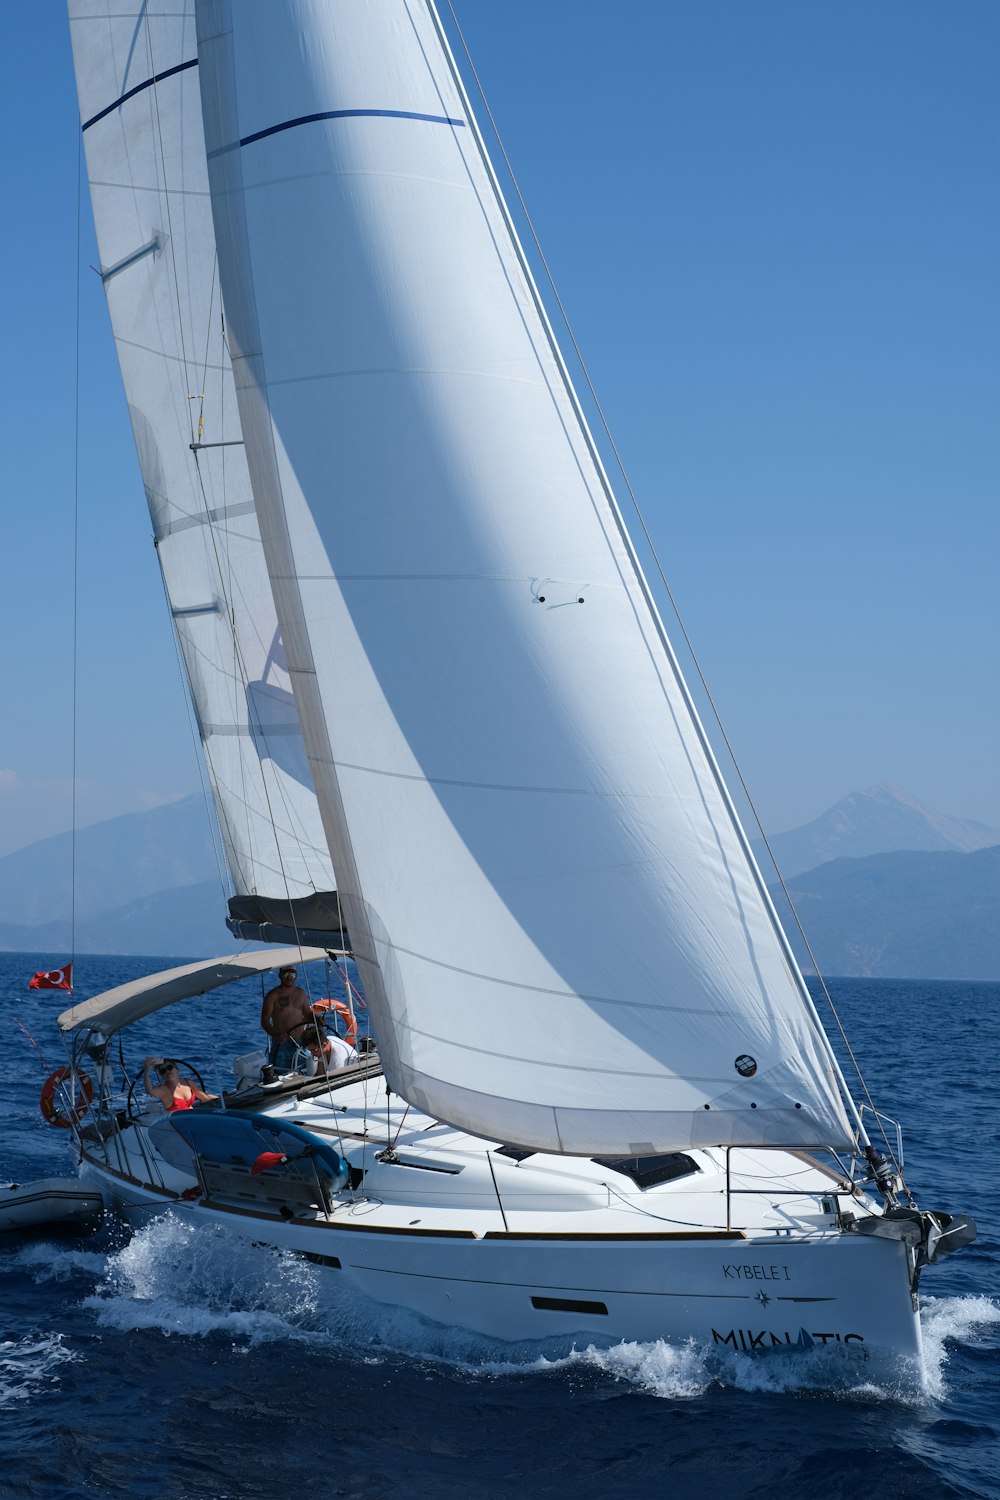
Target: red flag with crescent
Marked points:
53	979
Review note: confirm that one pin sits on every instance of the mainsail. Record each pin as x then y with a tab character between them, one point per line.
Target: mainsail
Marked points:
136	67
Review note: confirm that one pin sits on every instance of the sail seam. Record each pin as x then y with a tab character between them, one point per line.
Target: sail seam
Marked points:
175	359
520	578
408	370
498	786
139	189
661	1075
538	989
246	730
206	518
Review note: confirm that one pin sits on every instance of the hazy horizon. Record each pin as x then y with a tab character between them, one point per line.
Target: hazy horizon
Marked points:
772	833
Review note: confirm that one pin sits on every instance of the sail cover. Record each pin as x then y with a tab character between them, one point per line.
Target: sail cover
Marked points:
136	68
563	940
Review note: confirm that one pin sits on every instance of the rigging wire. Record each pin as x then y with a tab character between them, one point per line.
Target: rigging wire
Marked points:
31	1039
662	575
399	1127
76	549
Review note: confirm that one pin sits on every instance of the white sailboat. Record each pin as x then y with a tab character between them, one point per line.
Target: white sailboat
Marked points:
603	1103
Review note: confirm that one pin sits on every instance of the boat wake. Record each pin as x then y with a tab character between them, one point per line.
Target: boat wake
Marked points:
47	1260
183	1279
950	1321
29	1363
683	1372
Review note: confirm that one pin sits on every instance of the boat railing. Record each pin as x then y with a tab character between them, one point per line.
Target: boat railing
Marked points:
839	1183
108	1114
885	1125
850	1177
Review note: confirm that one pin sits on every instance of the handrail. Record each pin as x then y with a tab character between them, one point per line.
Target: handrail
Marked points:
838	1186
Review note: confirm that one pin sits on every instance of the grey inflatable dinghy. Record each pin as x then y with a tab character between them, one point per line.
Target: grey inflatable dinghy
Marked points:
53	1200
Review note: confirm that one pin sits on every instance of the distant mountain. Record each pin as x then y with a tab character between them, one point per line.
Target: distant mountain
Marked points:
188	919
117	862
882	820
903	916
916	905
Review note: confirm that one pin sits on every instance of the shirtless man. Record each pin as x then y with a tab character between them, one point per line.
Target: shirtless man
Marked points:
285	1010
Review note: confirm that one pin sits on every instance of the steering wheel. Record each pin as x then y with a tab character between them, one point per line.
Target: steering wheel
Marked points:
181	1064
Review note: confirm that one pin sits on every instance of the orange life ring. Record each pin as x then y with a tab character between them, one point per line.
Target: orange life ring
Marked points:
322	1007
54	1086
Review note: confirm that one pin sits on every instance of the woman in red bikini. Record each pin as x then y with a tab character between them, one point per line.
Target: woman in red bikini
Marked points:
173	1091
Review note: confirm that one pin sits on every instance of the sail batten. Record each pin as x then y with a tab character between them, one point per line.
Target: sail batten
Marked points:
140	105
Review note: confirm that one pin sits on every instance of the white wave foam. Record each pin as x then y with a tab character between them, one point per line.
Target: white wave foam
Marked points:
45	1261
678	1372
956	1320
29	1363
674	1372
185	1278
682	1372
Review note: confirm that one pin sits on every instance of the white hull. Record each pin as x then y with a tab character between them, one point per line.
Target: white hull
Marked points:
564	1247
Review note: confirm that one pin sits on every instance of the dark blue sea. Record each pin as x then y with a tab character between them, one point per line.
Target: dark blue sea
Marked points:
179	1364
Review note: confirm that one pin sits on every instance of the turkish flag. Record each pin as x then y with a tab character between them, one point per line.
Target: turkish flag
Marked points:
53	979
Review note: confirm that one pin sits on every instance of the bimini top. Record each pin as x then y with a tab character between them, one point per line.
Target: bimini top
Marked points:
130	1002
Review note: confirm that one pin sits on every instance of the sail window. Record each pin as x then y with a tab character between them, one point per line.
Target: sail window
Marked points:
320	1260
650	1171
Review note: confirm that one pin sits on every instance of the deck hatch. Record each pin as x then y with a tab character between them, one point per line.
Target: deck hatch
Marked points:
650	1171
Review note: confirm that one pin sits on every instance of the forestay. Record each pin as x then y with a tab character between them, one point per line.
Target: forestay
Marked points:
562	937
136	67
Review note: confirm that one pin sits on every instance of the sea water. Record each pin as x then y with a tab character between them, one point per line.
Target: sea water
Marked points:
177	1362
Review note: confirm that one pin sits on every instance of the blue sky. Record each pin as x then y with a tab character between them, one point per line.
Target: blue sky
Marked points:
776	230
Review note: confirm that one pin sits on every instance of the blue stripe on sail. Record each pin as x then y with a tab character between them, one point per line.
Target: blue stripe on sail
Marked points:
156	78
344	114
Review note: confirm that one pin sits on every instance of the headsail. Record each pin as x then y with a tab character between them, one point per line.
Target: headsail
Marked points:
136	67
563	939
